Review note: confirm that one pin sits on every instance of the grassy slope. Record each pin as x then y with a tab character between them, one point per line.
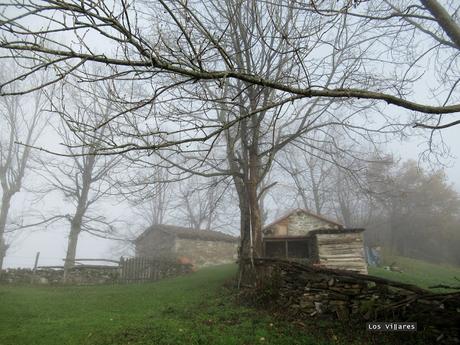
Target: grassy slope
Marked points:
185	310
419	272
193	309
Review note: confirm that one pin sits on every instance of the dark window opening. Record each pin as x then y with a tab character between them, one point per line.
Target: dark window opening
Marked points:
294	248
298	249
275	249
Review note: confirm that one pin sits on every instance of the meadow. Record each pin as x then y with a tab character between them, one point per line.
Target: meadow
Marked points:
194	309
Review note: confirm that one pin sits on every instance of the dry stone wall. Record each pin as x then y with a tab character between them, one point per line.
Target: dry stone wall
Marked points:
206	253
77	276
304	291
131	270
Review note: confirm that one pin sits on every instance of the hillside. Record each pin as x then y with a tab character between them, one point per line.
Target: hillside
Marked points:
192	309
418	272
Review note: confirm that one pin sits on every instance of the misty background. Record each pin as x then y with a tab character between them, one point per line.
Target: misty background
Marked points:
359	170
52	241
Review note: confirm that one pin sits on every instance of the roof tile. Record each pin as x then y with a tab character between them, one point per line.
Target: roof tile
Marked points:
183	232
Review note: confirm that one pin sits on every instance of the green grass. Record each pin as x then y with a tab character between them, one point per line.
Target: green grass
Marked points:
193	309
419	273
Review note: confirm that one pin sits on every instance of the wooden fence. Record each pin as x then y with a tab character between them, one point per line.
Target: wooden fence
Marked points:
143	269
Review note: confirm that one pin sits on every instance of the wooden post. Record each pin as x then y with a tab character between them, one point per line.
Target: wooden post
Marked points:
120	269
36	261
286	247
139	270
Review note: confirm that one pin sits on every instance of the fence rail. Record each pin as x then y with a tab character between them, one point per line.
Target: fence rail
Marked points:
142	269
99	260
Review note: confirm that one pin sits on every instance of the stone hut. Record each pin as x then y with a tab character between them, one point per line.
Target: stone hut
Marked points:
303	235
200	247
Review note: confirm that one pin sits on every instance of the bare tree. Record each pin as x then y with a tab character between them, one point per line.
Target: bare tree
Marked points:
265	73
170	43
330	178
350	197
84	177
311	176
152	196
21	123
199	202
426	36
263	126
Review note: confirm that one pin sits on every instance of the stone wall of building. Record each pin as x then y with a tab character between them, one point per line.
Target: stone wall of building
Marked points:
206	253
301	223
298	224
279	229
156	244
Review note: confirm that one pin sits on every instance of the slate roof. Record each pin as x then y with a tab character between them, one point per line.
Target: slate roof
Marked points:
182	232
336	231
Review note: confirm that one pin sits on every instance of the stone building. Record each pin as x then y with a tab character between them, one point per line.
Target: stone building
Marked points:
200	247
303	235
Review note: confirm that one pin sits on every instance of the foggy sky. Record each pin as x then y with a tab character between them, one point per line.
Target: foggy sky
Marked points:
52	243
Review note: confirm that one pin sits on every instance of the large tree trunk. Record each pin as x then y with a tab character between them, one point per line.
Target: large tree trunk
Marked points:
6	202
256	216
3	250
245	228
244	251
251	222
75	229
444	20
77	220
256	222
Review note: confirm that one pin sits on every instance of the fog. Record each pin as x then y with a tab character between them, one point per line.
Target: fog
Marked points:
51	243
229	172
171	118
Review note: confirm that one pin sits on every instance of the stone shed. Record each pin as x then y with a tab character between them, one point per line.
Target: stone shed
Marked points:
303	235
200	247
